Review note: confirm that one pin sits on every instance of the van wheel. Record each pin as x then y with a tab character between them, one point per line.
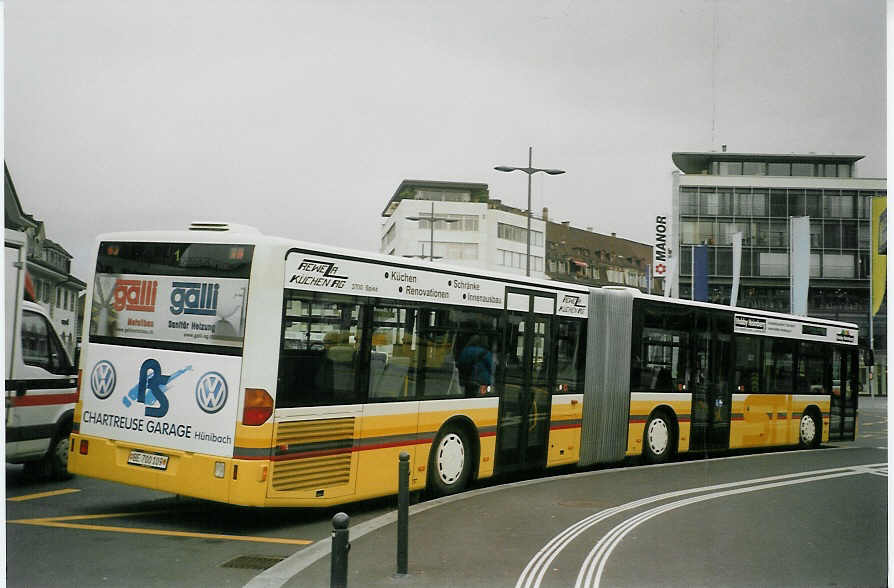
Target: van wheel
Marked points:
58	457
53	465
450	462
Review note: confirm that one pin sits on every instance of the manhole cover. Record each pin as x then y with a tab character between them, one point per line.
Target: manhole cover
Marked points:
253	562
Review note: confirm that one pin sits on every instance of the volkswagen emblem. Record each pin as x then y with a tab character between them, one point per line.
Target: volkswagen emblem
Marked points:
211	392
103	379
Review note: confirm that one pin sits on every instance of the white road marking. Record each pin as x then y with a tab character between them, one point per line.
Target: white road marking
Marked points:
591	572
877	471
534	571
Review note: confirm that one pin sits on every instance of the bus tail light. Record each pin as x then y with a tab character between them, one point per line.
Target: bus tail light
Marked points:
258	407
84	447
78	391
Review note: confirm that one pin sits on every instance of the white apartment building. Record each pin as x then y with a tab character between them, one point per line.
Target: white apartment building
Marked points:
469	228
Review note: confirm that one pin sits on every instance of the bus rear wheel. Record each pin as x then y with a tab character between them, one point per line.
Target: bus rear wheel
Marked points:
658	438
450	463
808	431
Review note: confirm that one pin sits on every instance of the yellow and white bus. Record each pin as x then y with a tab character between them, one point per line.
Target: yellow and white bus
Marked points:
231	366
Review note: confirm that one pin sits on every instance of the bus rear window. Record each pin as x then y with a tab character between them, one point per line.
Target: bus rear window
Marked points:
174	295
212	260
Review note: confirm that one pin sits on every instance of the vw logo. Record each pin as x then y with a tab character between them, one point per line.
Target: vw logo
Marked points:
103	379
211	392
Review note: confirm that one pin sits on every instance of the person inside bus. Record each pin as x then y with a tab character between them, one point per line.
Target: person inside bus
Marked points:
664	381
475	364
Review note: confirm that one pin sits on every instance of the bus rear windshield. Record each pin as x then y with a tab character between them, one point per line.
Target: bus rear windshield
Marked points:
212	260
177	295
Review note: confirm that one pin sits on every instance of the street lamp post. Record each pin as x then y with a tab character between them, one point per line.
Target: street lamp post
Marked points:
530	170
433	218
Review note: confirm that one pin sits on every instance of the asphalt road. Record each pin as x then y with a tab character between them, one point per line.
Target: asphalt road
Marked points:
95	533
774	522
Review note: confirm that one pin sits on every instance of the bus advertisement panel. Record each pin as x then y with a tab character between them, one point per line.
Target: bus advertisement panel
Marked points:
346	276
166	308
167	399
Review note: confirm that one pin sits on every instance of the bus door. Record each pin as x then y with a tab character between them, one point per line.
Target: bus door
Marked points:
525	382
843	405
710	383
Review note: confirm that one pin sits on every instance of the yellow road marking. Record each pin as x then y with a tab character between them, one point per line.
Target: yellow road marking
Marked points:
113	515
42	495
58	522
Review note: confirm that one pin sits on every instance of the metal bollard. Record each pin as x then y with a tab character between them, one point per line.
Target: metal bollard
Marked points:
403	511
338	571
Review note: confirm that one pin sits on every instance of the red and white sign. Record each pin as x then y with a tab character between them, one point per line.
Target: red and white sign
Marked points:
661	249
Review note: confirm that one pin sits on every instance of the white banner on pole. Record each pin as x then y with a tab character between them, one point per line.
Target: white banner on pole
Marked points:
737	267
799	263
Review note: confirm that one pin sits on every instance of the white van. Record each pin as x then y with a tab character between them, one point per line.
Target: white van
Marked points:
41	383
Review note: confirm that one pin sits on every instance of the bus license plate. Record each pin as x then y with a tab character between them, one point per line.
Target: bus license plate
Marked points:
148	460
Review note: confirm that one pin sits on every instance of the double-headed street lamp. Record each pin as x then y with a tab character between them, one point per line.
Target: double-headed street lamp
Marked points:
530	170
432	218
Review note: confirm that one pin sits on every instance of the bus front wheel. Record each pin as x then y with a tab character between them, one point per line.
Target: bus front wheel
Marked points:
658	438
450	464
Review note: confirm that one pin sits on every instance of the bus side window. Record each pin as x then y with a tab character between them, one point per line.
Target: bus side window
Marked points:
394	354
571	356
476	351
811	368
747	364
662	365
461	352
319	359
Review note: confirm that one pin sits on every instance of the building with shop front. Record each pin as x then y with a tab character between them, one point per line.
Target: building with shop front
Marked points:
716	194
584	257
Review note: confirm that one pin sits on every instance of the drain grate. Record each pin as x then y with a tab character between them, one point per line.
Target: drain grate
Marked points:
253	562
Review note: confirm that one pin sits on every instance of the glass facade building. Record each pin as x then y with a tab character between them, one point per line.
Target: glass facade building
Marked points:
720	194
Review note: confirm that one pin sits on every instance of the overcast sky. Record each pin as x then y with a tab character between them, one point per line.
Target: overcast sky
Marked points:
301	118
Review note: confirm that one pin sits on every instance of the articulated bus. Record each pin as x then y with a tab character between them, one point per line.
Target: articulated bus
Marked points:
226	365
